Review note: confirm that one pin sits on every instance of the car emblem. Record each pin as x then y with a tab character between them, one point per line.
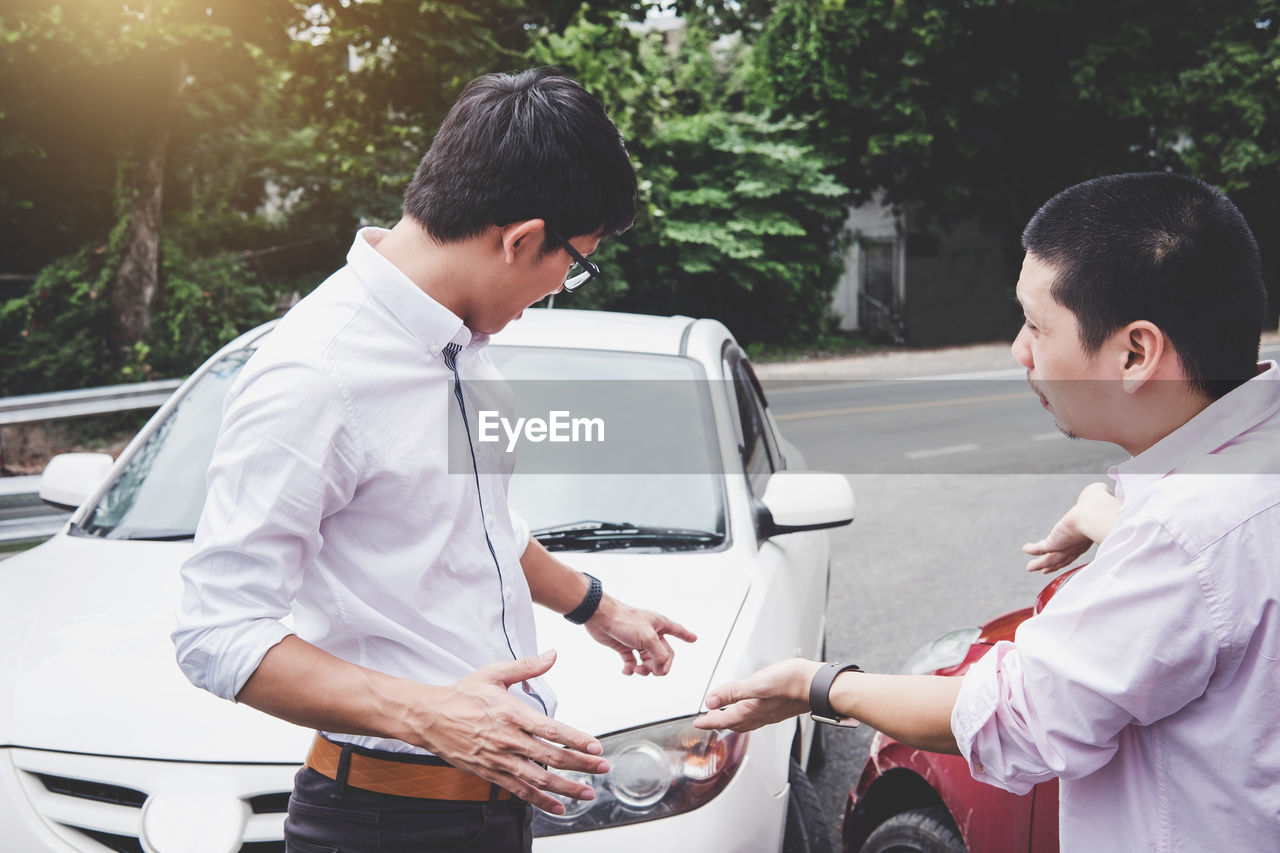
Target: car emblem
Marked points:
193	823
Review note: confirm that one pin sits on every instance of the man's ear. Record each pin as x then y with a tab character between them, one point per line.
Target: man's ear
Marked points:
520	235
1145	349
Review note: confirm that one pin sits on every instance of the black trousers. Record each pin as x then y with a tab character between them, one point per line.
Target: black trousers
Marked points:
328	816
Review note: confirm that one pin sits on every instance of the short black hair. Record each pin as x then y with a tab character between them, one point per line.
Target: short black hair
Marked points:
532	145
1164	248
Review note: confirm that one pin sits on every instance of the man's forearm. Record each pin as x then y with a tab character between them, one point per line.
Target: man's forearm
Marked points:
474	724
551	583
305	685
913	709
1098	510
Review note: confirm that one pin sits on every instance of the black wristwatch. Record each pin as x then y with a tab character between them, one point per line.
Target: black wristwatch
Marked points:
584	611
820	692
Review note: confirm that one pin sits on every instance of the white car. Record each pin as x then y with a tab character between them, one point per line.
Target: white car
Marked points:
700	511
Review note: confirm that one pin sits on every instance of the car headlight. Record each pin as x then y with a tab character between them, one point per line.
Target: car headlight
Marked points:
948	650
654	772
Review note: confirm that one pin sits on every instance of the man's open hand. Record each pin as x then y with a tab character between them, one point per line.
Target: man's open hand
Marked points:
478	726
638	636
1088	521
777	692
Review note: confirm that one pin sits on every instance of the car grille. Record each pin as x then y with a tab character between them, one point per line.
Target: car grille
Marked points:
95	791
95	803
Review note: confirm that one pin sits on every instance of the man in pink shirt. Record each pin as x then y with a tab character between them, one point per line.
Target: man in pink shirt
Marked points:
1149	685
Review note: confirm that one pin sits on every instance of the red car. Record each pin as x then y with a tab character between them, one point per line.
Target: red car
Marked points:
911	800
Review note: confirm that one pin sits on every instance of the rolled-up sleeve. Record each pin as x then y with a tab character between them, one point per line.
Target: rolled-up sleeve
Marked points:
285	459
990	698
1129	640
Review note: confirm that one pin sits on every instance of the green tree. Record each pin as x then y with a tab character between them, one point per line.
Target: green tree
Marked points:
739	216
123	86
172	165
374	79
980	111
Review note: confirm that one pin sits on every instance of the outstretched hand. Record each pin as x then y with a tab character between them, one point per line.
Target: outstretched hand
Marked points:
1090	520
1060	548
638	636
480	727
777	692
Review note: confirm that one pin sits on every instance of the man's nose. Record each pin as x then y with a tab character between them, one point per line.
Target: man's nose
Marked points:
1022	348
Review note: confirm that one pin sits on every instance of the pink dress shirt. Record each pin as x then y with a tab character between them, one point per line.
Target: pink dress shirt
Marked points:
1150	685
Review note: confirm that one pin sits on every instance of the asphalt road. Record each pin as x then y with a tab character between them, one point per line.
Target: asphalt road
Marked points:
952	476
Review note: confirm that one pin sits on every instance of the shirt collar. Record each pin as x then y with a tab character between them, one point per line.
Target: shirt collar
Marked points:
1226	418
434	325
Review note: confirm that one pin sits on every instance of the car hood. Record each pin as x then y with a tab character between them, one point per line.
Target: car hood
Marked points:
88	666
703	592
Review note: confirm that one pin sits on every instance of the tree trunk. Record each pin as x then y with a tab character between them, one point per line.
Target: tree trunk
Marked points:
136	278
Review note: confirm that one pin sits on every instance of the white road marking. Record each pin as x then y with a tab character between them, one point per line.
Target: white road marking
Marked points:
1048	436
801	388
941	451
783	385
1010	373
900	407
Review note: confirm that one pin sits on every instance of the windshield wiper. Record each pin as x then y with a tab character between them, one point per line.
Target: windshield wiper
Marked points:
605	535
584	526
153	535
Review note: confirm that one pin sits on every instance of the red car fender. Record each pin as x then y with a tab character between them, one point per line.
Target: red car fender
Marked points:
990	820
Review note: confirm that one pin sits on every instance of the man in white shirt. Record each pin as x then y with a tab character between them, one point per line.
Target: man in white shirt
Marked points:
1149	684
331	497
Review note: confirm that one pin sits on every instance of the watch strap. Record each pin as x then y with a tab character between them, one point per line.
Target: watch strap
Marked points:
590	602
820	692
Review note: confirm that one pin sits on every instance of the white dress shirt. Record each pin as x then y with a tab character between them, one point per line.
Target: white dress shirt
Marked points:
1150	683
331	497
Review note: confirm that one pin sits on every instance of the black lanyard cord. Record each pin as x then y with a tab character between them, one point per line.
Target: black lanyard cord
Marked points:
451	360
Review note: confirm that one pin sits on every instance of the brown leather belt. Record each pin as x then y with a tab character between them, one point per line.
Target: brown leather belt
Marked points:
402	778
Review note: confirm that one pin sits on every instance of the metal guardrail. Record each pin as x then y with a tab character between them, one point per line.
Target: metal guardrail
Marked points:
30	408
24	519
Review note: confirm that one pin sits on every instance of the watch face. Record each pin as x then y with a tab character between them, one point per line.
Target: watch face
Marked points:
843	722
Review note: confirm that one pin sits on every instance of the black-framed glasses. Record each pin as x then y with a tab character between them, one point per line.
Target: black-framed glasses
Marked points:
582	270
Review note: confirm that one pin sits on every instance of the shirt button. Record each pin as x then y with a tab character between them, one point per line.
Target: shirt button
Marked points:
435	350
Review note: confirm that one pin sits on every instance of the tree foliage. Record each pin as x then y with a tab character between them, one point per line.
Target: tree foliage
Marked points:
208	134
86	83
982	110
739	215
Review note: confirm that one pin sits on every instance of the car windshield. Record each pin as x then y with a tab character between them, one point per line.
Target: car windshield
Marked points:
160	493
625	499
656	485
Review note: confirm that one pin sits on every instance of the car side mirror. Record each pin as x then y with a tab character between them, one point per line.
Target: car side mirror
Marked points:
804	500
70	478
